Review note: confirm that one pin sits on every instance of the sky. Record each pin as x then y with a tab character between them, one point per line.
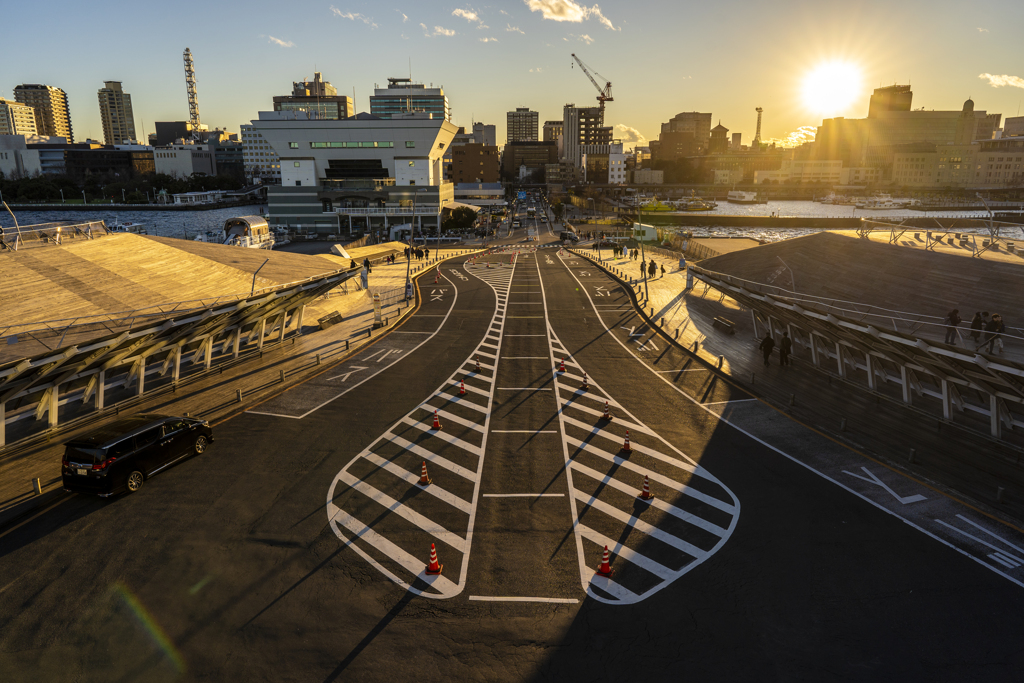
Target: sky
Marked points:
662	56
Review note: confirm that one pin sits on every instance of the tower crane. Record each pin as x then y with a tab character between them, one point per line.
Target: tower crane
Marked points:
193	99
604	94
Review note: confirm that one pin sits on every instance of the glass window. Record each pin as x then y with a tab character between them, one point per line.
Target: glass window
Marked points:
367	144
293	145
410	143
297	164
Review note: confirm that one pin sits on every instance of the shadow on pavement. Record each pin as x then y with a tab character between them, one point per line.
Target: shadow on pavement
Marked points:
374	632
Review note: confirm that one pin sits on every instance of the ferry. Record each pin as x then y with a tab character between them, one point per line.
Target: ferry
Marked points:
251	232
741	197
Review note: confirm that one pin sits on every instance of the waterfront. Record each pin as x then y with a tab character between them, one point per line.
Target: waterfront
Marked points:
162	223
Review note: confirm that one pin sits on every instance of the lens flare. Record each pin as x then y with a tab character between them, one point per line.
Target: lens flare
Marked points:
147	621
831	87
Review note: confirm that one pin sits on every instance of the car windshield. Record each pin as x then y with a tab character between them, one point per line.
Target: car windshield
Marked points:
83	454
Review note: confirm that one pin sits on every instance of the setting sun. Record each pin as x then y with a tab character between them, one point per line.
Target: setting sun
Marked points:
831	87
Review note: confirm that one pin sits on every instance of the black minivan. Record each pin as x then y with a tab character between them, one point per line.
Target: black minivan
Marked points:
120	456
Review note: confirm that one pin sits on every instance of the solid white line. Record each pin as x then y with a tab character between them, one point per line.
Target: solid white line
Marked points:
441	412
524	388
524	495
627	553
426	426
524	431
488	598
525	335
984	530
638	524
672	372
413	479
524	358
407	332
430	456
736	400
984	543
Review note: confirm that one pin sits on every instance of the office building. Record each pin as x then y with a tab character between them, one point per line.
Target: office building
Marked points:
827	172
116	114
521	125
484	134
16	118
685	134
475	163
582	126
317	96
402	96
359	174
108	162
53	115
258	157
520	160
1013	126
737	142
648	176
552	131
890	98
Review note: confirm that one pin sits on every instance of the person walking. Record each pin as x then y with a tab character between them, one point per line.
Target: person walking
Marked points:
767	344
952	320
785	346
977	325
366	264
652	269
995	328
663	270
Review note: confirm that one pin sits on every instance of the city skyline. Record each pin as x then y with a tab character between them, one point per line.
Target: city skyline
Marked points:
492	59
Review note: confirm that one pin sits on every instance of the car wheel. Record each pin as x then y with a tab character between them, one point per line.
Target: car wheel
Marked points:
134	481
200	446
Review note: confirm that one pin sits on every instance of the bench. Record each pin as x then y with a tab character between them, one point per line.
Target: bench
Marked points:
724	325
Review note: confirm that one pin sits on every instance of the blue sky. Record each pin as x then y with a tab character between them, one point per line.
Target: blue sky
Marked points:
662	56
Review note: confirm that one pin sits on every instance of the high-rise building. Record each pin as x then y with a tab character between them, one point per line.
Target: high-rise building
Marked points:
582	126
890	98
475	163
53	116
696	124
484	134
17	118
319	97
116	114
522	125
403	96
552	131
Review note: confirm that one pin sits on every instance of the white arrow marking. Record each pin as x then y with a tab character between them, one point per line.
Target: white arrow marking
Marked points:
875	480
353	369
644	346
631	333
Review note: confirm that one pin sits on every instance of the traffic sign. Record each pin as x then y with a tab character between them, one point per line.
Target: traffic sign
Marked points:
522	195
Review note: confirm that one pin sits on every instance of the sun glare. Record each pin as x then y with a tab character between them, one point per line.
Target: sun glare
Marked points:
831	87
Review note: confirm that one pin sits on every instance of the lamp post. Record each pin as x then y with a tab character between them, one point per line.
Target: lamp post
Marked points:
647	294
84	200
123	200
62	195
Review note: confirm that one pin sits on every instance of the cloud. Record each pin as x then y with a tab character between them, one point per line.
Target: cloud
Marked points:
586	39
488	40
405	17
278	41
629	134
468	15
509	28
536	71
442	31
354	16
982	30
1000	81
568	10
504	12
798	137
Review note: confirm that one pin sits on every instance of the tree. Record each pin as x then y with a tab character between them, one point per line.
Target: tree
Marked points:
459	220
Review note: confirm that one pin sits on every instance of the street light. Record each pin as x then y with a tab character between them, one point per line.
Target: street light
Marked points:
62	195
84	200
122	196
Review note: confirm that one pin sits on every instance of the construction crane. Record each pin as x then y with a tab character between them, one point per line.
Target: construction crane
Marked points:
193	99
757	135
604	94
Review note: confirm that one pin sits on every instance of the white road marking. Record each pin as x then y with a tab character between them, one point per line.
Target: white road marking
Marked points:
737	400
986	531
488	598
524	358
525	389
523	495
984	543
344	377
525	335
524	431
875	480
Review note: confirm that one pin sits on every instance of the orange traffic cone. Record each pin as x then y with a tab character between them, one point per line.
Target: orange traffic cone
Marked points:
645	494
605	569
434	567
437	425
424	479
607	413
625	444
478	363
462	388
586	385
561	368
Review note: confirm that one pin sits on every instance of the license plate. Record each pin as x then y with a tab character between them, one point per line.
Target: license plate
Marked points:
82	472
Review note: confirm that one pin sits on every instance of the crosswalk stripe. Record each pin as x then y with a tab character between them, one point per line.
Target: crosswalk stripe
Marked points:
679	513
476	390
460	400
574	394
616	589
405	512
626	553
671	483
440	434
422	452
413	479
642	449
411	564
640	525
596	428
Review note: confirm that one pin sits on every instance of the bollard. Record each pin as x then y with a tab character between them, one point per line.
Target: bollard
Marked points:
721	359
652	311
999	493
238	395
318	359
842	425
661	321
37	486
913	456
677	333
282	375
792	399
346	344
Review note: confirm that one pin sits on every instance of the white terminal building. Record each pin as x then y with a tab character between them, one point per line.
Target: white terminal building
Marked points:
258	156
361	174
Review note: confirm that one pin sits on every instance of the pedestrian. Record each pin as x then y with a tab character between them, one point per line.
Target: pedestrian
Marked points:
366	264
426	253
952	320
353	264
652	270
977	325
767	344
663	270
995	328
643	267
785	346
625	252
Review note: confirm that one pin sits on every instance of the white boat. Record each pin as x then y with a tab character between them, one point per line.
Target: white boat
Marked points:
741	197
128	226
251	232
881	202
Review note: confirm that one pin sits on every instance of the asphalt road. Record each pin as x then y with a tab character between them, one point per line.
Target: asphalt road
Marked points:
295	548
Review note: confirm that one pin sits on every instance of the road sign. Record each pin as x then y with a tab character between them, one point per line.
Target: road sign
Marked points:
522	196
